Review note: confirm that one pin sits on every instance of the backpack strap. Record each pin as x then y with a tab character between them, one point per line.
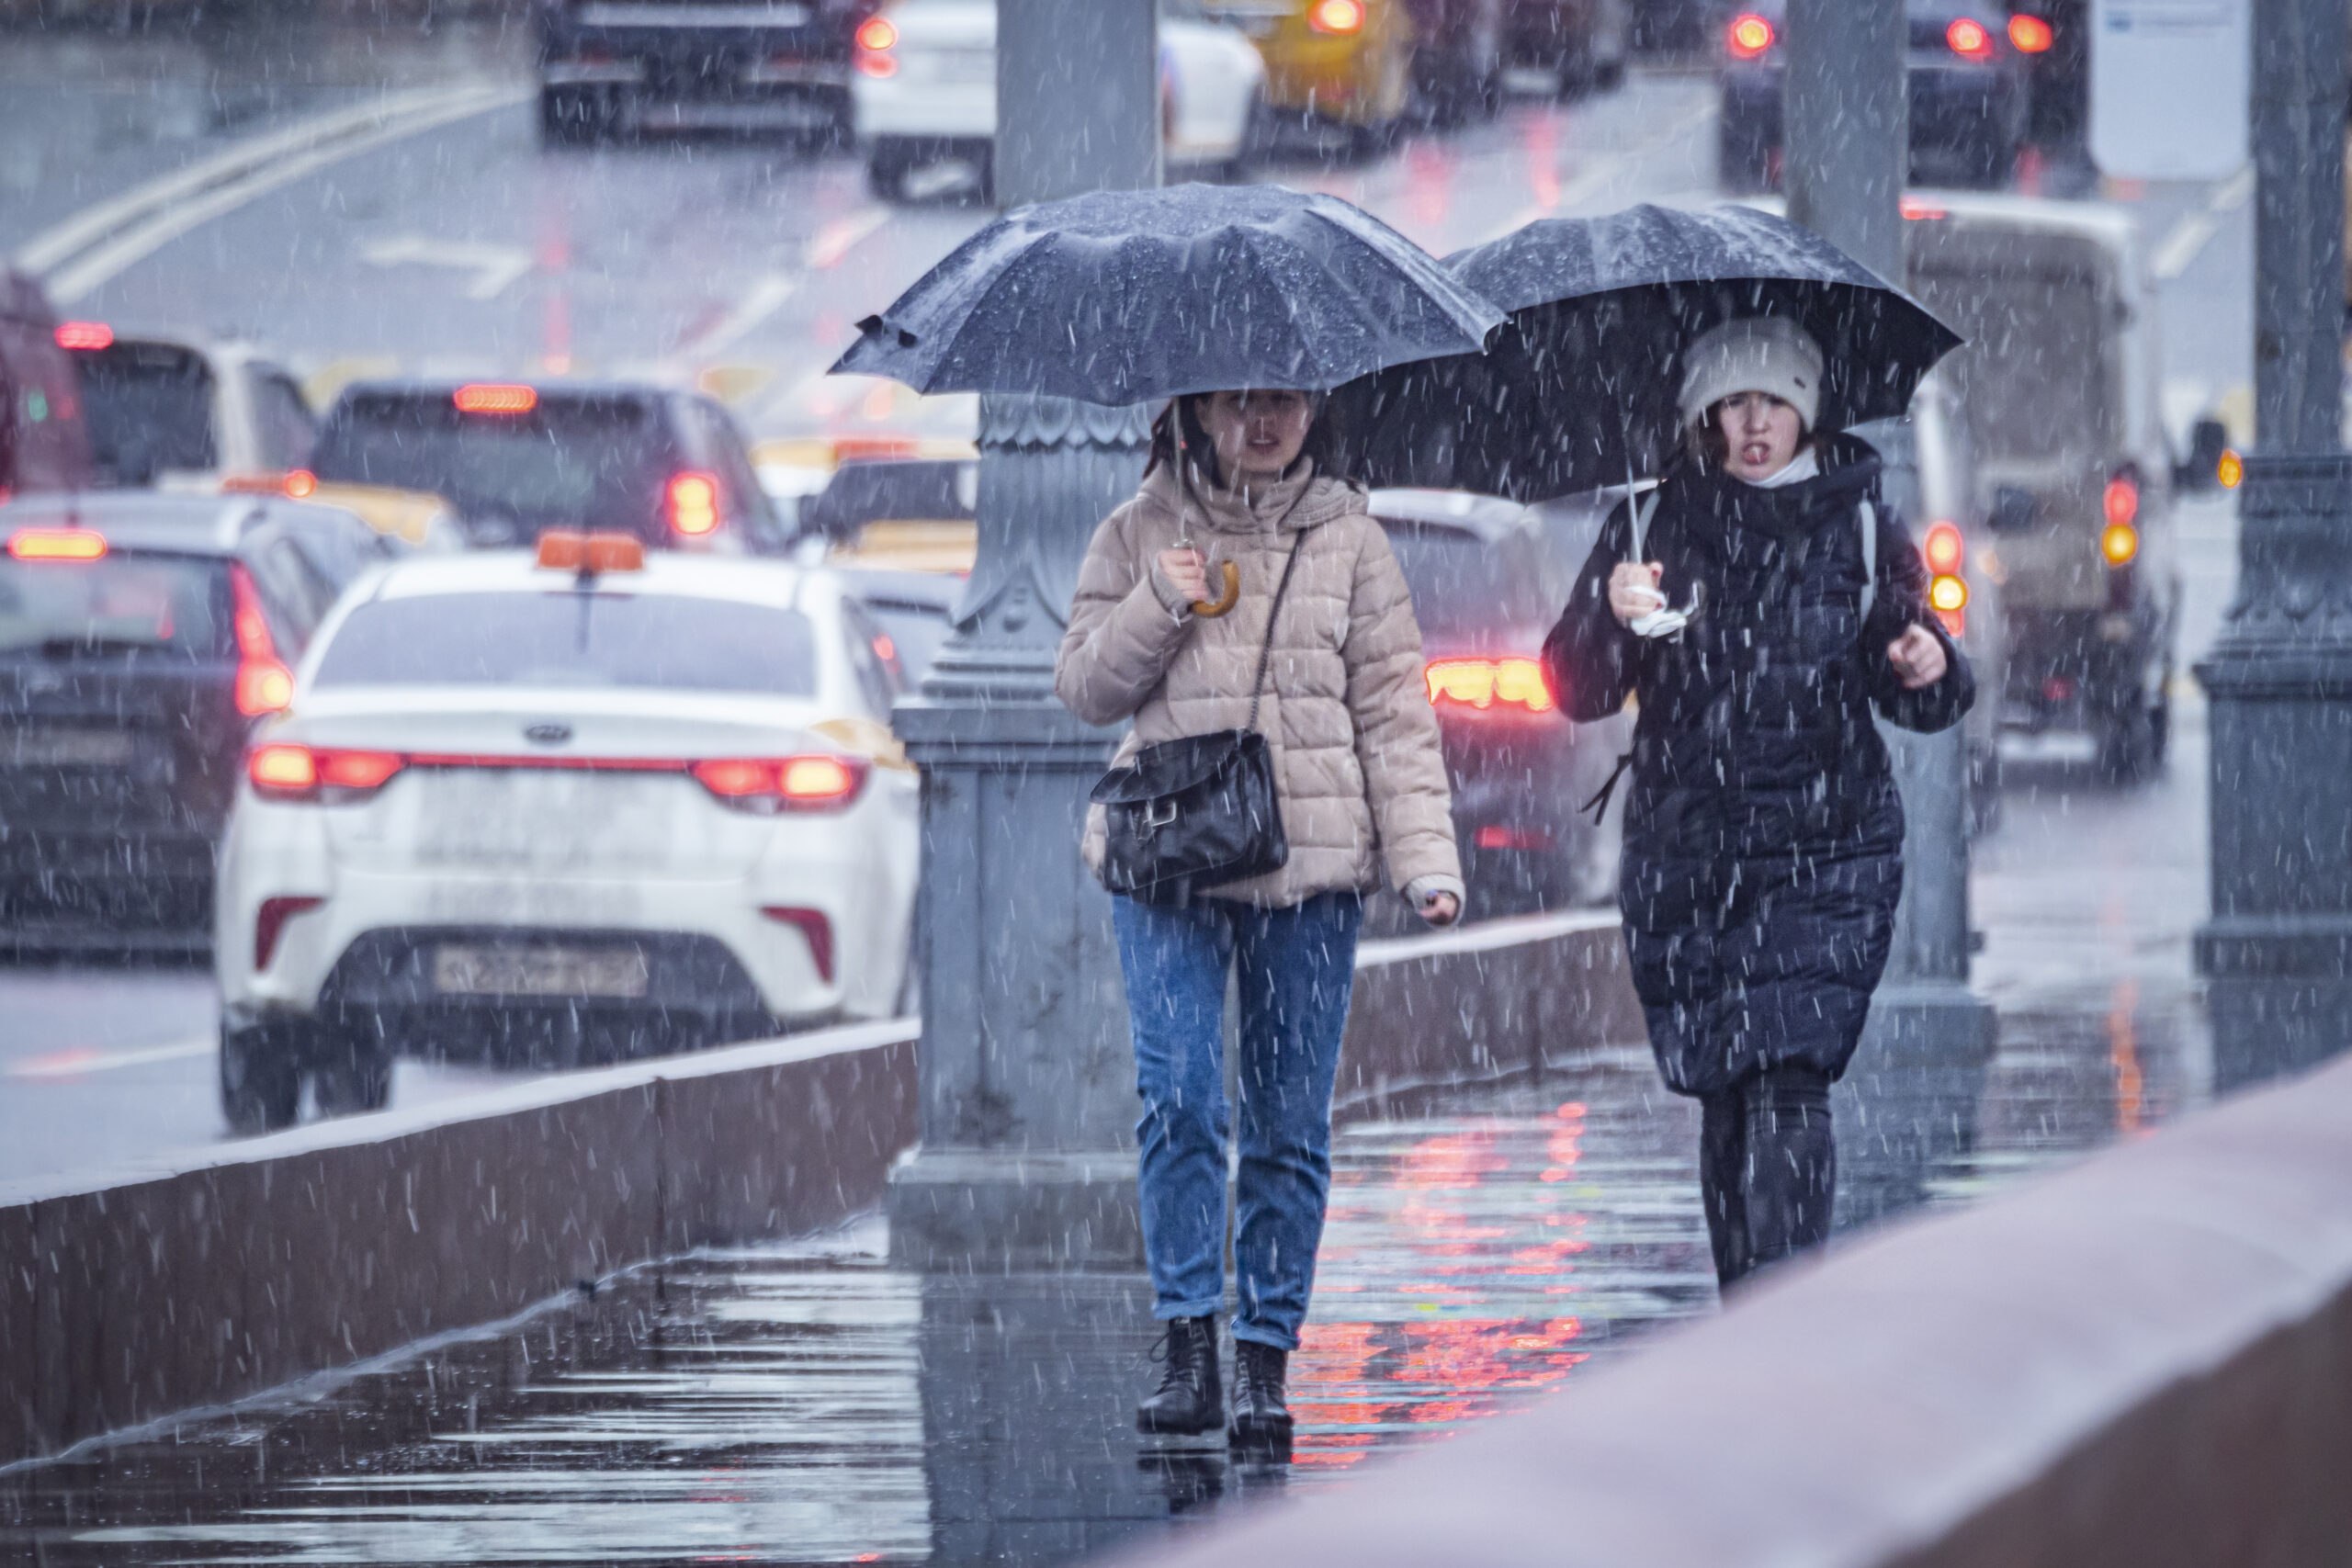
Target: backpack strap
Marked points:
1869	557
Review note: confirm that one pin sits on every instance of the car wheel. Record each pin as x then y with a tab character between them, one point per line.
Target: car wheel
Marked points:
261	1078
354	1074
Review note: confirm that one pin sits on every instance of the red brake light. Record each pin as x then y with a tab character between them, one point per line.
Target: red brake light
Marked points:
1969	40
814	925
492	397
263	682
282	769
357	769
1943	550
1335	16
694	503
271	921
2122	501
57	543
1750	35
300	483
85	334
1483	684
820	782
2030	35
878	34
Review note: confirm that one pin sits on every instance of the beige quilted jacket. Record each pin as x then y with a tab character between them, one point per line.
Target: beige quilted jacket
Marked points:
1354	741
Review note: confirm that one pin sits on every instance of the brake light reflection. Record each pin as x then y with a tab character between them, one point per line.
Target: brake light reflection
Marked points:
1750	35
814	925
1483	684
270	923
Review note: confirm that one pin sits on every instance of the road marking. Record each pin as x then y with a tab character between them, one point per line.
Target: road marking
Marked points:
1603	170
2189	235
82	253
830	246
493	266
79	1060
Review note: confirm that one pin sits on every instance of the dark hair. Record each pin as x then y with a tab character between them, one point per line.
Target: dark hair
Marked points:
1183	413
1706	443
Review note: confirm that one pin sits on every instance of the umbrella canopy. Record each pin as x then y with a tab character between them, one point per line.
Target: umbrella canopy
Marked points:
1128	297
1579	389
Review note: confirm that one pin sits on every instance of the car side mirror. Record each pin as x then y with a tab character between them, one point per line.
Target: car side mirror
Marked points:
2015	511
2201	470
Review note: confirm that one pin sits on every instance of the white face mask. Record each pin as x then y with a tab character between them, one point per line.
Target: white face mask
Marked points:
1801	467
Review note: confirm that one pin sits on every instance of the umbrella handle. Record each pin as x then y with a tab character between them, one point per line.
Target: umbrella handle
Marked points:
1226	600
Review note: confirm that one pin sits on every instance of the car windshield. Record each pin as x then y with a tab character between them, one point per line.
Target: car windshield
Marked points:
597	462
2033	372
562	638
168	607
1462	583
149	409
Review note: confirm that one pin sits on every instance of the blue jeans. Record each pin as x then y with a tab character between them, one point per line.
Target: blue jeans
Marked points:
1296	969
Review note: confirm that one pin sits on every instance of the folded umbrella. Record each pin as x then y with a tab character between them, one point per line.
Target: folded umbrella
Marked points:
1579	389
1129	297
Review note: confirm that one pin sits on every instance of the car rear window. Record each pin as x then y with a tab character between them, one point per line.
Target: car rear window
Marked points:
149	409
566	638
2033	372
173	607
599	462
1463	583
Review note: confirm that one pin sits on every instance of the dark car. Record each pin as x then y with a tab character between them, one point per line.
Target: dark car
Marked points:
1969	95
512	459
1584	42
611	66
185	414
1459	54
1488	578
43	442
140	636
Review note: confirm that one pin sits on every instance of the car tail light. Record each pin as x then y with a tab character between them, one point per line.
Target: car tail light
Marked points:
693	503
875	39
821	781
2120	540
57	543
2030	35
84	335
817	927
1969	39
264	683
1917	210
270	923
1948	593
2230	470
283	770
301	483
2058	689
561	549
1337	17
1495	836
1947	555
2119	543
487	397
1749	36
1943	548
1485	684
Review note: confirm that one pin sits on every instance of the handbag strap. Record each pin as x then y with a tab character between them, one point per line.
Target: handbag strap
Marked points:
1273	613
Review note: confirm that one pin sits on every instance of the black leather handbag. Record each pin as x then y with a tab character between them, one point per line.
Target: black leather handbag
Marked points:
1197	812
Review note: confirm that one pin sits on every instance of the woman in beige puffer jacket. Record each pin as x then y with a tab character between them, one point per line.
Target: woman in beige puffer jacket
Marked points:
1362	783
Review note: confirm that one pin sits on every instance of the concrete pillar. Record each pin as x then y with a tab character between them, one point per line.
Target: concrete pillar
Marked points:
2278	951
1929	1036
1027	1156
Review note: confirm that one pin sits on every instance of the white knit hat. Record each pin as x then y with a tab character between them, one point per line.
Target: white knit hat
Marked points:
1757	354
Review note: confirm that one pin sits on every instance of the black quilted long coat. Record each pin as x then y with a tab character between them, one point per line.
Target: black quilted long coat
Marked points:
1763	851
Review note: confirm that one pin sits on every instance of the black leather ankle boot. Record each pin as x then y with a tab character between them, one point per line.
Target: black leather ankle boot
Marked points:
1190	1397
1261	1417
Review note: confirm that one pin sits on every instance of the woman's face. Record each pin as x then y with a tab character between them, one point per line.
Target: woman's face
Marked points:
1257	433
1760	434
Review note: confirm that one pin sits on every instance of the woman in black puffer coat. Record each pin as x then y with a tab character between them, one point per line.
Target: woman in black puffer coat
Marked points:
1763	852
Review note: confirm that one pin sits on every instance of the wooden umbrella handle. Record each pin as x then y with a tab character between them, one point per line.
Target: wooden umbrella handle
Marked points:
1226	600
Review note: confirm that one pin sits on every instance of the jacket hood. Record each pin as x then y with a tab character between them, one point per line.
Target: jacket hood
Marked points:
1301	499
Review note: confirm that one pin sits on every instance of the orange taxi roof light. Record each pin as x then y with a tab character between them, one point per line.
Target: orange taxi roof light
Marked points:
590	555
491	396
57	543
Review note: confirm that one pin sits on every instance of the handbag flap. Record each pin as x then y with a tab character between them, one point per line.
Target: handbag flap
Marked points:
1170	767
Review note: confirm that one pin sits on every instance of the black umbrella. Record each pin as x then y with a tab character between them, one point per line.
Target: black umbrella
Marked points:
1579	389
1128	297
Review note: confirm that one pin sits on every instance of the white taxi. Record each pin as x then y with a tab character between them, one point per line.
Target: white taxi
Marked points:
562	807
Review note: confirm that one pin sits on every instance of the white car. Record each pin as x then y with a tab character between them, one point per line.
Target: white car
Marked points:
522	806
925	90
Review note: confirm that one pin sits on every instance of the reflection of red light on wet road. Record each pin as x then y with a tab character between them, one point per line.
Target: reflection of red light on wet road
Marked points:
2123	1055
1542	160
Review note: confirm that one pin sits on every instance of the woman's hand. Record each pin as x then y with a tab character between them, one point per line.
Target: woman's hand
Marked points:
1441	909
1917	657
1187	571
1634	591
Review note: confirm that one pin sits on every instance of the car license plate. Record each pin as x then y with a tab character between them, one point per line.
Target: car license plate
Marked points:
464	971
68	747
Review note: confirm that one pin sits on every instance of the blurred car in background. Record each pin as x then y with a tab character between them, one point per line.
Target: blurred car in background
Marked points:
1345	65
1585	43
1488	579
44	444
568	806
140	637
608	67
513	458
1967	81
834	484
925	91
180	416
2061	382
1931	478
